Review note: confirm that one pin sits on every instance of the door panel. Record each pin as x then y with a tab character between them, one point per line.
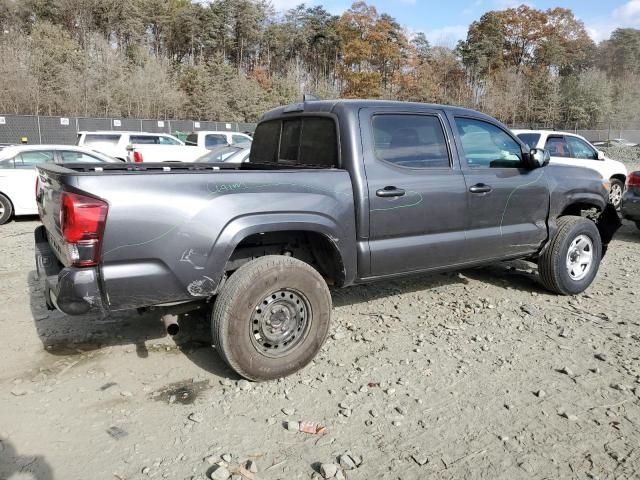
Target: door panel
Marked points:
417	195
508	202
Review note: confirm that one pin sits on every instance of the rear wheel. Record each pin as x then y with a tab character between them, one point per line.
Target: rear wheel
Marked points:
271	317
6	209
572	259
615	192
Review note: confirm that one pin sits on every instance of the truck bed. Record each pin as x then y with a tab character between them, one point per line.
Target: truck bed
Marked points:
164	240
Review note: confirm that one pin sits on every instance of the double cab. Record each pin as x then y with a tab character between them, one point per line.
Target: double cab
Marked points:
335	193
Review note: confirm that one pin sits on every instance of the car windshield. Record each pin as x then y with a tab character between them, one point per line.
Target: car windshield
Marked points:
219	154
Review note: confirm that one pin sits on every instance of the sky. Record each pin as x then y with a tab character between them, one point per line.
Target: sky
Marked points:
446	22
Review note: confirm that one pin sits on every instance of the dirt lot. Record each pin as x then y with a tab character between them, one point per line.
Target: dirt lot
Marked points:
480	374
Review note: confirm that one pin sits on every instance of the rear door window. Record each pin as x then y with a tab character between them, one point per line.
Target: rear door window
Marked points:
413	141
557	147
33	158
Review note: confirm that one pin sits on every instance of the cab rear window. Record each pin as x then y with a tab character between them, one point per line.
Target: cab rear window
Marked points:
307	141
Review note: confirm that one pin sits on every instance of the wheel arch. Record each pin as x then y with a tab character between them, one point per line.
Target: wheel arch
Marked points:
619	176
13	207
252	236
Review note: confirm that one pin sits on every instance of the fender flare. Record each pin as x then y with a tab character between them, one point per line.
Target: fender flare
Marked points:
242	227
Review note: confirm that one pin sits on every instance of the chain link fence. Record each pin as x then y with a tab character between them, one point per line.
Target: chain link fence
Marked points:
64	130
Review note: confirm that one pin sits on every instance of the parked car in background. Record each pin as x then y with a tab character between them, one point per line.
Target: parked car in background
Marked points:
18	173
631	199
118	144
212	139
571	149
227	154
615	142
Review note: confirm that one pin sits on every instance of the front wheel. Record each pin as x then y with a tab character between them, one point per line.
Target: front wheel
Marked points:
572	259
6	209
615	193
271	317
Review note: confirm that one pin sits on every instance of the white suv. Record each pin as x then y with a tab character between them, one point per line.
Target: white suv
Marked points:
571	149
115	144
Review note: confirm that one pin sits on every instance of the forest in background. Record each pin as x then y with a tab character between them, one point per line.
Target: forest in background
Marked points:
234	59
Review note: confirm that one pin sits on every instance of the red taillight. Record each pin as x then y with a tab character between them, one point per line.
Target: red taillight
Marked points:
633	180
137	157
82	222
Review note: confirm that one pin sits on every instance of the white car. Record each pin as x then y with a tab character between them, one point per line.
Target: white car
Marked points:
119	144
571	149
18	173
211	139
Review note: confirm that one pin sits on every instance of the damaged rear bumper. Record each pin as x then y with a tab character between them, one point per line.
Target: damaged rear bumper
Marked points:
74	291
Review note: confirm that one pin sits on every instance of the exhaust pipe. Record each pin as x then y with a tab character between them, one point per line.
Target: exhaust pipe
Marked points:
171	324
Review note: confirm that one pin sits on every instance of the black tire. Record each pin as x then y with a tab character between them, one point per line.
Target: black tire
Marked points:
552	264
6	209
241	327
618	187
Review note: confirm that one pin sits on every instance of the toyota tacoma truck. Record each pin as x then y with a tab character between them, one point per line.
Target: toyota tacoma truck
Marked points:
336	193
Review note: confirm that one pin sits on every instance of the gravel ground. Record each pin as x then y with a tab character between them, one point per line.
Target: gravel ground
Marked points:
478	374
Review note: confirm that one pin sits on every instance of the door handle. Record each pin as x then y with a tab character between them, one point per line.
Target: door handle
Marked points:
388	192
480	188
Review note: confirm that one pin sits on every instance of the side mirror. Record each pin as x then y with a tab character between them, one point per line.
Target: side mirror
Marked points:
600	155
539	157
129	148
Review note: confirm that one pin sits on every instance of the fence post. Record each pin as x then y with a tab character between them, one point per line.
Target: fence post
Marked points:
39	130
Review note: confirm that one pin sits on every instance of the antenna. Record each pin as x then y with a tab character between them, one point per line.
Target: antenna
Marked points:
307	97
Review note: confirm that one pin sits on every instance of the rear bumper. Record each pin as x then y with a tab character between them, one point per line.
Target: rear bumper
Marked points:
631	205
74	291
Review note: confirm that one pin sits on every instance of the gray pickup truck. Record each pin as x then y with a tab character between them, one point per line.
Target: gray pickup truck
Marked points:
335	193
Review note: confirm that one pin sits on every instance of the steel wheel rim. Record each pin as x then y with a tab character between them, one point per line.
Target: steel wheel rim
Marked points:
615	194
580	257
280	322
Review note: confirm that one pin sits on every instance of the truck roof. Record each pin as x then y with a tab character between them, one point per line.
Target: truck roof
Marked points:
331	106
